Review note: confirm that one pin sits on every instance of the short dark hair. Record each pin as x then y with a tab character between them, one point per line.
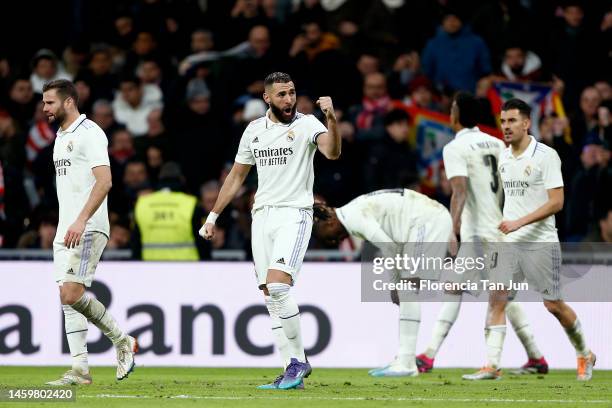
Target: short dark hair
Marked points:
64	88
469	109
321	212
277	77
515	103
396	115
129	77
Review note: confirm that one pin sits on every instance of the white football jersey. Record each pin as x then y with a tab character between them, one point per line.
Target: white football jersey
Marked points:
283	155
526	179
475	155
77	150
388	215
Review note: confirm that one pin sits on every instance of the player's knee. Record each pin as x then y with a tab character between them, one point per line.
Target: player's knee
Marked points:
553	306
498	301
278	291
70	294
278	276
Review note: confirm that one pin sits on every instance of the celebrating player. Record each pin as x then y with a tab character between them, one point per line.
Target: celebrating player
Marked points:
282	145
397	216
83	179
533	188
471	161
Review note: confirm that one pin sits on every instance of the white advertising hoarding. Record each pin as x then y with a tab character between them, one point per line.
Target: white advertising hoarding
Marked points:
212	314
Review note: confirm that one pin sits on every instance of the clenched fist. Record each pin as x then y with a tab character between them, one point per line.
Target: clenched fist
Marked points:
207	231
326	105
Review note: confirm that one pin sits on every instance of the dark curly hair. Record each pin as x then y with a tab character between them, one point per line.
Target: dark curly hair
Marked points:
322	212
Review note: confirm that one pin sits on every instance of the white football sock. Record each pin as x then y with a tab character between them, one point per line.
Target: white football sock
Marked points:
409	321
576	337
282	343
289	316
521	326
446	318
495	345
76	334
96	313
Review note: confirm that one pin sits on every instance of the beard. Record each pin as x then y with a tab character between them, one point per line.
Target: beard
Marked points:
281	115
58	116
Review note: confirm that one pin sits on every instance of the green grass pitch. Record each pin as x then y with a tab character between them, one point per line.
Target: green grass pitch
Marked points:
152	387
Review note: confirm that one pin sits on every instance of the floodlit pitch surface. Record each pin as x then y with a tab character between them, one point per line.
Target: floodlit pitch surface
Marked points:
235	387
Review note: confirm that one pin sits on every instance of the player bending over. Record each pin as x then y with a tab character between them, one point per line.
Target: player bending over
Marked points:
398	216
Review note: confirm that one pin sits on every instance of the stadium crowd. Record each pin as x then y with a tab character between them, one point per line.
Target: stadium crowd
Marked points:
178	81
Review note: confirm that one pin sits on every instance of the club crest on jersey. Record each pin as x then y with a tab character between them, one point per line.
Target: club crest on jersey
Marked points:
290	136
527	171
70	146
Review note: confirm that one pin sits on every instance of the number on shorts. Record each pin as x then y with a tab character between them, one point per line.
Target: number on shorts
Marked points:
490	160
493	264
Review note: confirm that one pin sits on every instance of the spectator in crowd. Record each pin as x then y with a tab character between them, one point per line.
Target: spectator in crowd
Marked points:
84	92
124	34
75	57
126	189
603	232
405	68
501	21
155	160
145	47
421	94
371	57
553	130
134	102
150	72
391	160
585	187
572	43
313	41
42	236
316	62
245	15
368	116
585	120
604	88
339	181
14	205
167	221
99	74
602	131
102	114
46	67
196	130
456	57
520	64
121	148
202	40
120	235
156	135
21	103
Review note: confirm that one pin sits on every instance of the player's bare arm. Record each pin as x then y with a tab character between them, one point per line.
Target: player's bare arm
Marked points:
458	197
228	191
98	193
330	142
551	207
